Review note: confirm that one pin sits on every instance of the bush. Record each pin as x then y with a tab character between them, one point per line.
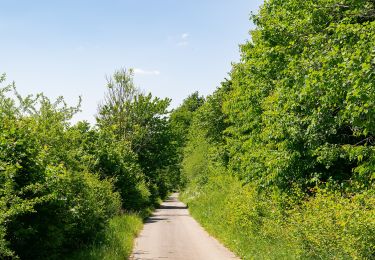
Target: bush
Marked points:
114	159
48	202
75	208
332	226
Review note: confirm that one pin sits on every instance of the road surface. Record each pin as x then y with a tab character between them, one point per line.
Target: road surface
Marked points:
171	233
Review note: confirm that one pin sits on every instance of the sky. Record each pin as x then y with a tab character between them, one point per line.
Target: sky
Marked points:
68	47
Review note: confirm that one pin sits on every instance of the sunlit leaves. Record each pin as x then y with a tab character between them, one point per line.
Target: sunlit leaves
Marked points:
305	84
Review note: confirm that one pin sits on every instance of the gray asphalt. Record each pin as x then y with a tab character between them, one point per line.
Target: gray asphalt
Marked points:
171	233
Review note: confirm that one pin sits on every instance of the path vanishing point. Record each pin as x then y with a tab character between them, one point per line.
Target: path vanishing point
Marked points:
171	233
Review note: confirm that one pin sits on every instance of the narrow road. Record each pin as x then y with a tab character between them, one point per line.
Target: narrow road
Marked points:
171	233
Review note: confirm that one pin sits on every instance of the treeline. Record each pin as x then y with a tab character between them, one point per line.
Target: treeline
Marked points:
279	162
60	184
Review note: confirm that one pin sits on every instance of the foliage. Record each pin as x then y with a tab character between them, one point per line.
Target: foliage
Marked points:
61	184
113	159
334	225
204	146
117	241
141	121
43	192
255	226
182	116
302	106
280	160
180	120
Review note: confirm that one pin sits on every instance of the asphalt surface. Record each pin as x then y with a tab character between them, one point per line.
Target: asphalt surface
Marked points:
171	233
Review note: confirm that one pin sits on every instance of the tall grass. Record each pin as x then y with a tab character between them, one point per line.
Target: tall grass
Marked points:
326	226
223	208
116	242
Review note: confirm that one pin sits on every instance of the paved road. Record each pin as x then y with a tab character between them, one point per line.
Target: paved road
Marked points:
171	233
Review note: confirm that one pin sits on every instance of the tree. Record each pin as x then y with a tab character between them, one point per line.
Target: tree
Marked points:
302	105
141	120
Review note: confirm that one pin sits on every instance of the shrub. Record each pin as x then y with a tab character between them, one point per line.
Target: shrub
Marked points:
74	208
48	203
332	226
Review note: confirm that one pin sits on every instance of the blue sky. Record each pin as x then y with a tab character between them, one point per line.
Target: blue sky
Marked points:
67	47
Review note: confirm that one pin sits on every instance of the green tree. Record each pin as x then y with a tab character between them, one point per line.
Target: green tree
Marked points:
205	149
283	162
141	120
302	106
182	116
180	121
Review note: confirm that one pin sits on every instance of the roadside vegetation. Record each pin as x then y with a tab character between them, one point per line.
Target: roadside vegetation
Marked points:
116	242
64	187
279	162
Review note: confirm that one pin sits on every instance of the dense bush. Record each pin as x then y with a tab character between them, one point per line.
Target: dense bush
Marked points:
112	158
48	203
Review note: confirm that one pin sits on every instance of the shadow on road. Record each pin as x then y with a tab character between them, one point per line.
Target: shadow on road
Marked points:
166	212
172	207
154	220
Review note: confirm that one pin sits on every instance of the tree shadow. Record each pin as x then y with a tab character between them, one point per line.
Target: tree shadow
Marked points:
172	207
154	220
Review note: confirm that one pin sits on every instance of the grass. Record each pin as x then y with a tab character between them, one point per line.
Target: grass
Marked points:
209	206
117	242
326	226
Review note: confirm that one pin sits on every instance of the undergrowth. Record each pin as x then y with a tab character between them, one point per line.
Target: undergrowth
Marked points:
117	240
254	226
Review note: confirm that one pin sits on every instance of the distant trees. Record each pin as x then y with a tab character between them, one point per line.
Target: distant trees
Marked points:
141	120
181	119
182	116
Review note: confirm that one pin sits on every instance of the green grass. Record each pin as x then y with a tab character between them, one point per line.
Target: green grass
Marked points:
326	226
117	242
219	208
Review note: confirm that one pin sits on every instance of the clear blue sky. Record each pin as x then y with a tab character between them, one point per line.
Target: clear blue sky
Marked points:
67	47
